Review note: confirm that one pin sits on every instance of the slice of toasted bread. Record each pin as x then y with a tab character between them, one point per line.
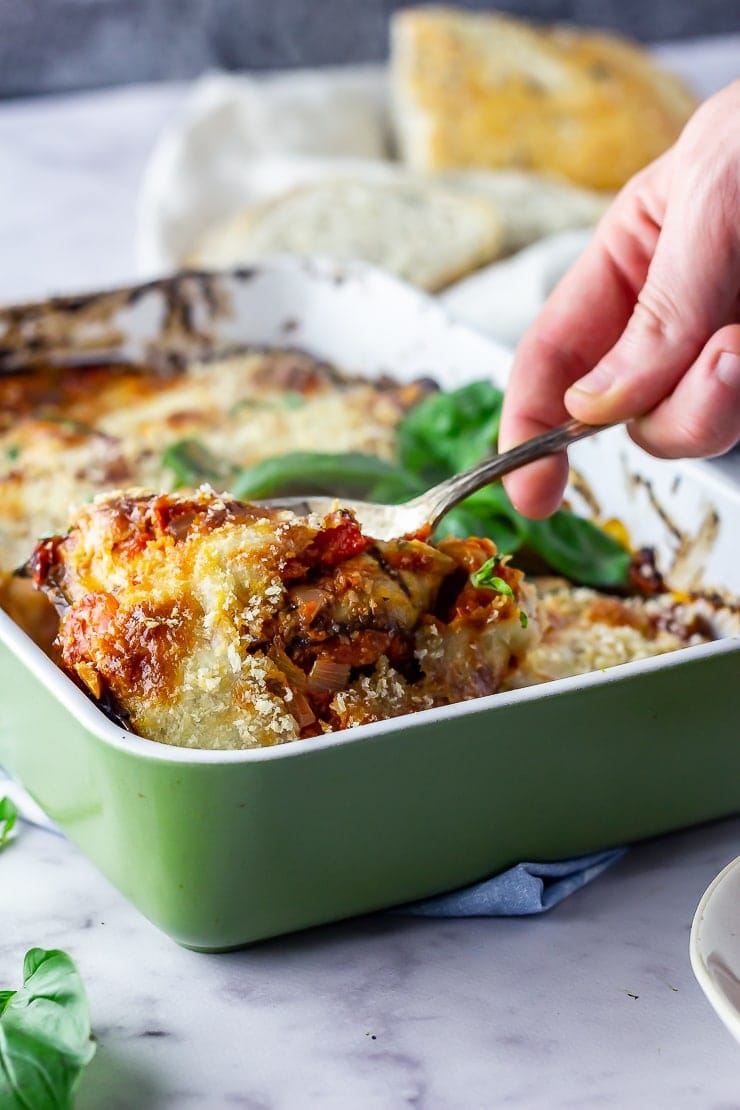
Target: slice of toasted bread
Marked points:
485	90
426	233
531	206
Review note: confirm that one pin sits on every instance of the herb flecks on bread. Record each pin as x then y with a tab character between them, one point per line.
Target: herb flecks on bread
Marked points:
486	90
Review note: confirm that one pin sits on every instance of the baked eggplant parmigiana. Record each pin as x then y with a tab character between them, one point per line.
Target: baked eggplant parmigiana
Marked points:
200	619
211	622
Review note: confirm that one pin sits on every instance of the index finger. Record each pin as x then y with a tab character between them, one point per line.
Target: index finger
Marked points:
582	320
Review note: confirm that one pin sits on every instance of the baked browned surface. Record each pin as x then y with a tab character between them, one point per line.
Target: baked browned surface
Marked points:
69	433
486	90
585	631
205	621
202	620
210	622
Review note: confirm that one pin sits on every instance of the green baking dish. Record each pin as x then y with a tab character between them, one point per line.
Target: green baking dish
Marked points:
220	849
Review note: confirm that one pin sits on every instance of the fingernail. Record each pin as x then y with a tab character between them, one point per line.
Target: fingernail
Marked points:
598	381
727	369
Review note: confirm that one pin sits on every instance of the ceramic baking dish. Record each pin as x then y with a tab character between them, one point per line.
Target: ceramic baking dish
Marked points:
223	848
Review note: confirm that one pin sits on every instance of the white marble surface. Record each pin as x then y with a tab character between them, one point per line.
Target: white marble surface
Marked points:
376	1013
388	1012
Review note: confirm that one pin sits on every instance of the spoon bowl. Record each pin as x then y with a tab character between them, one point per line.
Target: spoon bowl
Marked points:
388	522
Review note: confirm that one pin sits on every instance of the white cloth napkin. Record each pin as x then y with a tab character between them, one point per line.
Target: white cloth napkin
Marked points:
241	139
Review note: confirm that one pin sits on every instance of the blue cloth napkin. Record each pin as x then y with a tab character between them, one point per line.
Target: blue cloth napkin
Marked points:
523	889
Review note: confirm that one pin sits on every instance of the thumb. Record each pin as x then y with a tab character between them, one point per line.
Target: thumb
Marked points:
690	291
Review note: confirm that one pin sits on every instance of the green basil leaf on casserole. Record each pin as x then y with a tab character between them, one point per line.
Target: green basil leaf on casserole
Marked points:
192	463
484	579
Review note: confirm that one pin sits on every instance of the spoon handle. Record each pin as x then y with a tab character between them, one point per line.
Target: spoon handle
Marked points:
449	493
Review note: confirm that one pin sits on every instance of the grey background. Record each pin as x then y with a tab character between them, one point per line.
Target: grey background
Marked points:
55	45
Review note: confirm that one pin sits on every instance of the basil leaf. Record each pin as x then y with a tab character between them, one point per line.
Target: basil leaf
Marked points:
192	463
396	487
44	1034
8	816
568	544
580	550
289	400
448	432
495	518
484	579
307	472
462	522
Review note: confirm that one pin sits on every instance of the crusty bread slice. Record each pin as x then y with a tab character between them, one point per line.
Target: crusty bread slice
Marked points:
531	206
485	90
426	233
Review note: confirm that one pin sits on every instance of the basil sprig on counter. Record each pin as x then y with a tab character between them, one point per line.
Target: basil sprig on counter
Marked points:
44	1034
443	434
8	816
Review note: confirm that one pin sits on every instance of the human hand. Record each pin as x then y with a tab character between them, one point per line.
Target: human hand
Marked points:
645	327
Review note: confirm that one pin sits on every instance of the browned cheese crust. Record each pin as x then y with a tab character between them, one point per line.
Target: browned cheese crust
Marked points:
210	622
69	433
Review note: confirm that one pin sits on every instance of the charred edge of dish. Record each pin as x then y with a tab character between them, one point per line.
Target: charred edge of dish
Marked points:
179	314
640	482
166	286
108	301
580	485
182	295
212	292
245	273
644	575
73	304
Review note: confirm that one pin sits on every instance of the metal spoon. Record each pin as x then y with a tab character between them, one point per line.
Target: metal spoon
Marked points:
387	522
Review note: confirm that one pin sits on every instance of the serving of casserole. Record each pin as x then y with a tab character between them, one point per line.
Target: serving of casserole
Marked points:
197	634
